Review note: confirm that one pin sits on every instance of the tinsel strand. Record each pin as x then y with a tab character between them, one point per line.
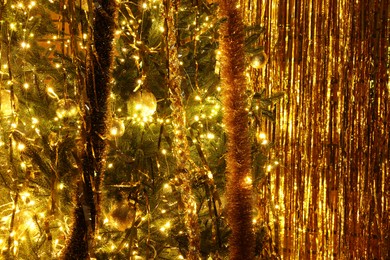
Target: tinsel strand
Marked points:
96	114
329	57
235	118
181	148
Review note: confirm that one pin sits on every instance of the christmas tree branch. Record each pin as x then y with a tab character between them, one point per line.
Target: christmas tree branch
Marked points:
238	157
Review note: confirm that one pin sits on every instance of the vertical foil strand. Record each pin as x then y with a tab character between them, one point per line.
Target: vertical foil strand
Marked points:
331	59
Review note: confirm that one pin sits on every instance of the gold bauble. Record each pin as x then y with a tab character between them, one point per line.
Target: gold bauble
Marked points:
6	108
116	129
123	215
259	60
66	108
142	104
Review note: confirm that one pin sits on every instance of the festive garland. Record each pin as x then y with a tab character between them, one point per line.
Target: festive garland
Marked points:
238	157
95	121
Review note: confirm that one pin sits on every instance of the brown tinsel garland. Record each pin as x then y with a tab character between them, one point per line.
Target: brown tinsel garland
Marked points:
96	112
182	180
238	157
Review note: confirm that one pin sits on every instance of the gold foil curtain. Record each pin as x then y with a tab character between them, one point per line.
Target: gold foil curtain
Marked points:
329	197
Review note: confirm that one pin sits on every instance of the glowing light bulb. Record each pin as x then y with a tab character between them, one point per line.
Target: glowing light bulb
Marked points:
210	136
262	135
21	146
248	180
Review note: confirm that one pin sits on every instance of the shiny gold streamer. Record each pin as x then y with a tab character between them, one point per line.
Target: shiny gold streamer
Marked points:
235	118
330	198
181	149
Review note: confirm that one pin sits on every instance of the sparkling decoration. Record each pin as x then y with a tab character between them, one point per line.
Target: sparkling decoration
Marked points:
330	200
6	107
97	90
319	176
123	215
235	118
66	108
142	104
181	148
258	61
117	128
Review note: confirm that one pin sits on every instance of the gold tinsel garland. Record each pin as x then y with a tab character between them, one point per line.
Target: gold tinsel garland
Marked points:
238	157
182	181
330	198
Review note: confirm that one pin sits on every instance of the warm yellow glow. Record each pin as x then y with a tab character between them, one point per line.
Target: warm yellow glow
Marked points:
21	146
210	136
51	93
262	135
23	165
248	180
114	131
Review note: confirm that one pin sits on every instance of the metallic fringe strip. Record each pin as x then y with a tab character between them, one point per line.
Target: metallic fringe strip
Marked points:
330	200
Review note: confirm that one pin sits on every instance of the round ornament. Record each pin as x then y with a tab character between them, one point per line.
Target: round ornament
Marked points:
142	104
66	108
117	128
123	215
259	60
6	107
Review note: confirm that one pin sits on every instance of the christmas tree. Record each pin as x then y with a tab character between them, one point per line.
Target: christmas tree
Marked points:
194	129
112	134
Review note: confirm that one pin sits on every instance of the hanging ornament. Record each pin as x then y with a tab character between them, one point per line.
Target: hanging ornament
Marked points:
259	60
66	108
142	104
123	215
6	106
117	128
